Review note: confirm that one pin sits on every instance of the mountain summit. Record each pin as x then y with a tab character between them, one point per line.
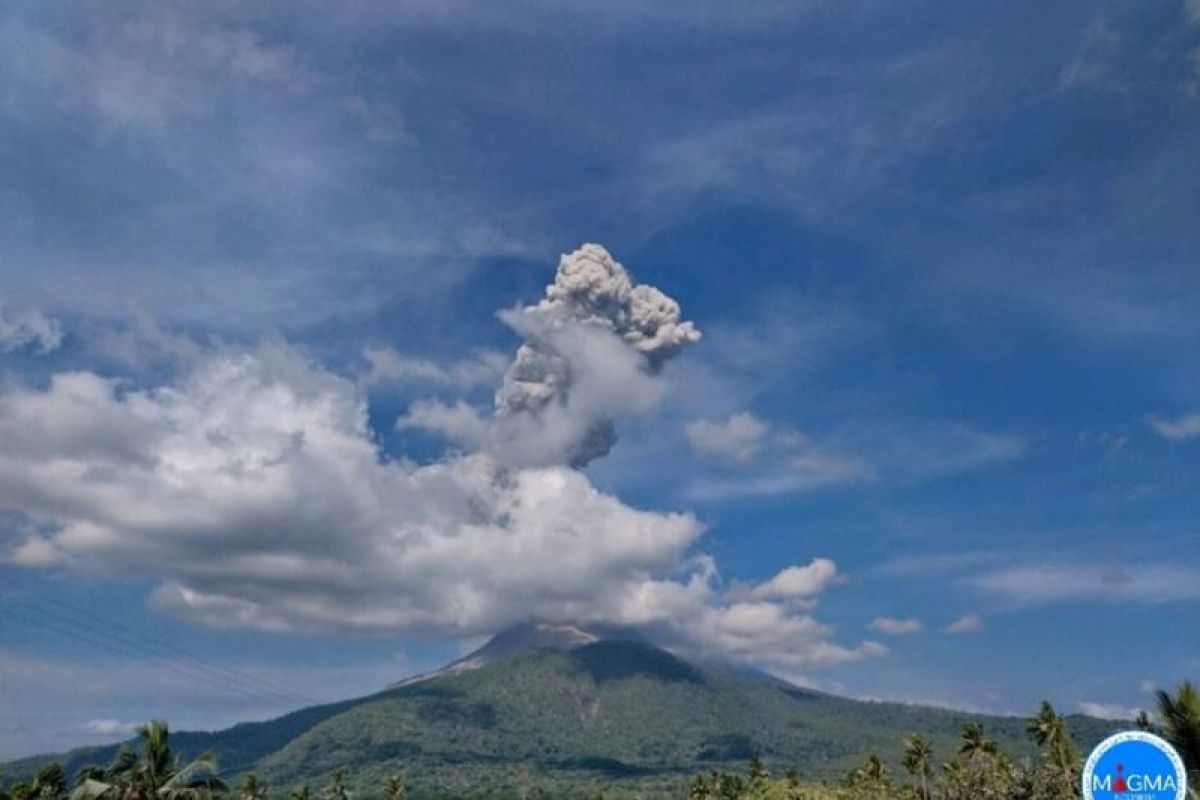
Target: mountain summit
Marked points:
530	635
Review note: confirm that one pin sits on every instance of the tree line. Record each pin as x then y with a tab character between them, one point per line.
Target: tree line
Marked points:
977	770
153	771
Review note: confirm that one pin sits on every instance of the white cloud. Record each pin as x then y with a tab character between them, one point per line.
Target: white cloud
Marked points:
694	618
143	74
936	564
1107	710
29	329
968	623
786	461
458	421
796	587
485	368
916	450
260	466
253	490
738	438
1178	429
797	583
896	451
765	634
107	728
1035	584
896	627
803	473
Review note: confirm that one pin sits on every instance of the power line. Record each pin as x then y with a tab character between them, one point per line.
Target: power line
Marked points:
43	624
45	619
194	660
122	642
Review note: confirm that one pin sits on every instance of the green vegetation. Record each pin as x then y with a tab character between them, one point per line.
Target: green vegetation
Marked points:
613	719
1180	715
979	770
613	716
152	770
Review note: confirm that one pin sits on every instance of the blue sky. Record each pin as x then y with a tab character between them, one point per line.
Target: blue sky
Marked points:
938	442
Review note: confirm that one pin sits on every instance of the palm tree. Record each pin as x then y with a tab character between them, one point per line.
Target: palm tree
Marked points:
299	792
50	782
1049	730
337	790
918	760
394	787
975	743
980	771
153	773
874	769
716	786
1180	716
15	791
253	788
871	779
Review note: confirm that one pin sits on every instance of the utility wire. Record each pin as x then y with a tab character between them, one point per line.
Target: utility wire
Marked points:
43	618
43	624
192	659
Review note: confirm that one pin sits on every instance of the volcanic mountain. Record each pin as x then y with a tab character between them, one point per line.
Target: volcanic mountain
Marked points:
572	709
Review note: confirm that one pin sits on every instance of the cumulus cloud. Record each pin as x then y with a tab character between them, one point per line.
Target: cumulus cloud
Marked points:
795	583
592	352
738	438
254	491
259	468
968	623
766	634
33	329
893	626
1178	429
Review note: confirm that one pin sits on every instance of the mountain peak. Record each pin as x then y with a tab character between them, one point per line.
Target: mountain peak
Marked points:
537	634
533	634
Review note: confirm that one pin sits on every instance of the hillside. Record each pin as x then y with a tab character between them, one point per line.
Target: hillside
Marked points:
573	715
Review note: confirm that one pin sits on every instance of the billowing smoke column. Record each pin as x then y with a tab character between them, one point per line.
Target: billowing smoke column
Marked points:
591	305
